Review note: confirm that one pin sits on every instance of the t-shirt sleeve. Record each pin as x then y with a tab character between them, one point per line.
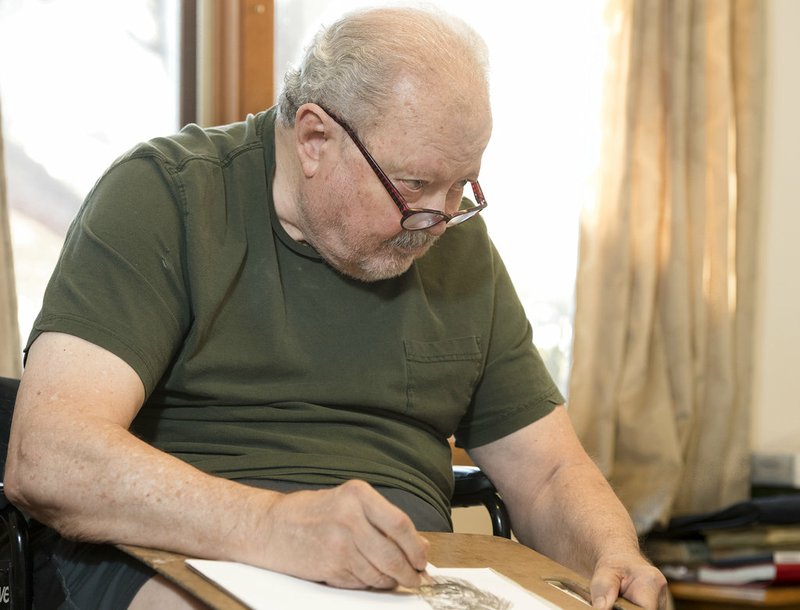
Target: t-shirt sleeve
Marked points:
120	280
516	388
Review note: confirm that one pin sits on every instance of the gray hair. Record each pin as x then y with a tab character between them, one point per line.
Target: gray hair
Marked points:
351	66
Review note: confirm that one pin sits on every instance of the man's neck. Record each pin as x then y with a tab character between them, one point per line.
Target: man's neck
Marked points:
284	189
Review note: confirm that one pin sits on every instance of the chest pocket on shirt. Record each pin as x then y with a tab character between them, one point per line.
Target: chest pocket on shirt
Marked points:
440	379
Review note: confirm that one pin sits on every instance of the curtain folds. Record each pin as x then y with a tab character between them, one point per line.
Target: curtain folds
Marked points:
660	385
10	364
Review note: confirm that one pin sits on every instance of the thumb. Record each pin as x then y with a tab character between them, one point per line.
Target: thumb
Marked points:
604	589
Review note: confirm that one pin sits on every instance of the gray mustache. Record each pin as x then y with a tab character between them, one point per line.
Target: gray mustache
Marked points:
412	239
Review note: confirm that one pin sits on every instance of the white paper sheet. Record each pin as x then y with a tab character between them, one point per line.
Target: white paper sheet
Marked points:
462	589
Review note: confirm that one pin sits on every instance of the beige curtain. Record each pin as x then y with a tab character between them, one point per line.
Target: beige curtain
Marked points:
660	385
9	331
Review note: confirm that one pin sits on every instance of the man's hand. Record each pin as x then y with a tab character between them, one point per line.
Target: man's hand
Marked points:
631	577
349	537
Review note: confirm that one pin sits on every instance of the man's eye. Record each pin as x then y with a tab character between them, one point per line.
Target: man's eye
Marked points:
413	185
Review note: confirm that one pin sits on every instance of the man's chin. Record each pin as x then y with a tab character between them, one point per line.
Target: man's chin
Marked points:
384	271
401	258
395	259
393	266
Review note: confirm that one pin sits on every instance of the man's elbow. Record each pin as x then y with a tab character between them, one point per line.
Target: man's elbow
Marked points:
18	478
24	484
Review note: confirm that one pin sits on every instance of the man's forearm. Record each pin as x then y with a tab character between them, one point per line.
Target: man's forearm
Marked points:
575	518
92	480
559	501
562	506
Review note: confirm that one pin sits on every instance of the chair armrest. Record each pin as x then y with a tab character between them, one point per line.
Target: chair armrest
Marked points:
473	487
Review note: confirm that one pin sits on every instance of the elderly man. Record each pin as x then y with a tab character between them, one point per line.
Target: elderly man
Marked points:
243	353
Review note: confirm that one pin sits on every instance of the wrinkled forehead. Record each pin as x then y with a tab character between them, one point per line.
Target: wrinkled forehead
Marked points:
455	113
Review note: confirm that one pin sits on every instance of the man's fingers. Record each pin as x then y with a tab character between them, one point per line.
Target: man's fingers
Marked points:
349	536
361	575
388	558
604	589
647	592
644	585
390	541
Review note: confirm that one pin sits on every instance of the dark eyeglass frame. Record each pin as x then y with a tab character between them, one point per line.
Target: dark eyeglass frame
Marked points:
414	219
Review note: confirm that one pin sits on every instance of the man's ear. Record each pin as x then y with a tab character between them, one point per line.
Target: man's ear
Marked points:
311	134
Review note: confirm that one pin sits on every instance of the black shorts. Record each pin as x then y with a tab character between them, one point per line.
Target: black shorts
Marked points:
78	576
81	576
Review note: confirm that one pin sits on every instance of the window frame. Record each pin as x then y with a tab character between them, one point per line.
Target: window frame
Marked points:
228	51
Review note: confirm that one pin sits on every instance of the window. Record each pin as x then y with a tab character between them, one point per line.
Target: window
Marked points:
547	61
81	81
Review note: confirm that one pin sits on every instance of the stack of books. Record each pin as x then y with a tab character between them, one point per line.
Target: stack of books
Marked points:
747	549
765	555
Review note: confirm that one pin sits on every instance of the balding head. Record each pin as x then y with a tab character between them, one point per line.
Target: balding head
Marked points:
358	66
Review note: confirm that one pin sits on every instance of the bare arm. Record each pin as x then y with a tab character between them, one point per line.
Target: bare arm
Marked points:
561	505
73	465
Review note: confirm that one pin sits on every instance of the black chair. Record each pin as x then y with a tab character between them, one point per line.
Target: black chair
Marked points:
19	566
472	488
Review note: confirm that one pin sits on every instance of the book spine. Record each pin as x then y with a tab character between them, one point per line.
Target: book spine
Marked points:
752	556
787	573
786	557
781	469
767	573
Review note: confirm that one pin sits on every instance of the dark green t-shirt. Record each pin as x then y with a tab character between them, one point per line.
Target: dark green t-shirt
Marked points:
261	361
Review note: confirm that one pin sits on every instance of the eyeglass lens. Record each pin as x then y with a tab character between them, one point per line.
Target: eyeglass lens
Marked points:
418	220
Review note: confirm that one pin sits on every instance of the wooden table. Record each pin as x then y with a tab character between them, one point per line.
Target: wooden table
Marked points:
698	596
517	562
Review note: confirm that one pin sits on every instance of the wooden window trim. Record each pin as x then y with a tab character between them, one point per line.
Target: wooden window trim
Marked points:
233	72
188	63
243	66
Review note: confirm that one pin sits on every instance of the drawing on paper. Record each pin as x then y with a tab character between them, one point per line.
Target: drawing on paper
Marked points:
449	593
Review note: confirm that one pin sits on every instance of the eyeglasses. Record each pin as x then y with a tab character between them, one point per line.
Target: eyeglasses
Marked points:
414	219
